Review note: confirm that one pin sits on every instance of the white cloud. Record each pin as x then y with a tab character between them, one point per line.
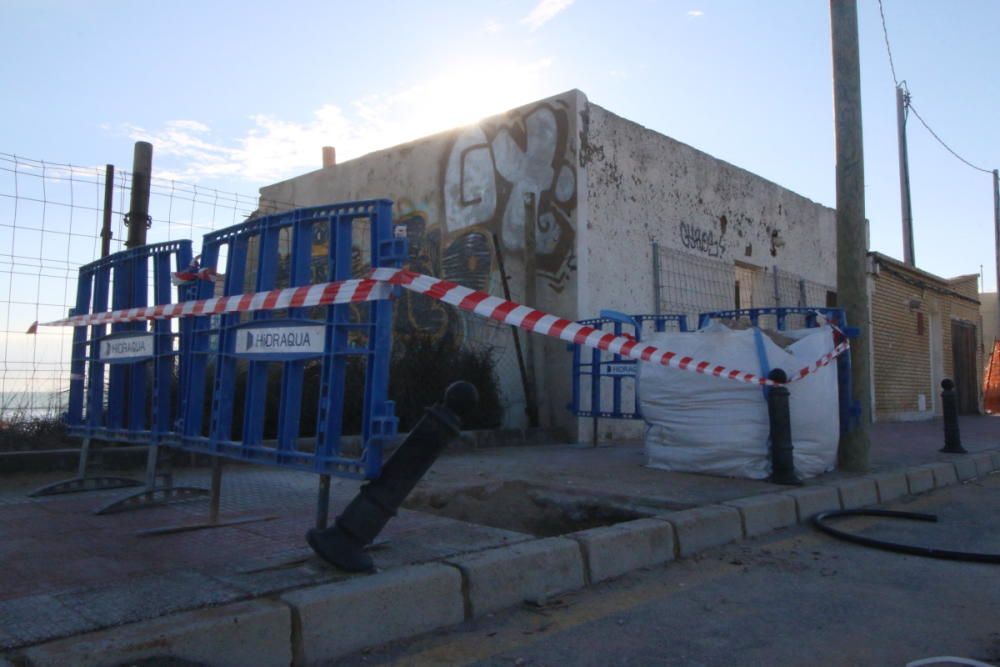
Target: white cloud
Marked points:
492	26
695	13
275	148
544	12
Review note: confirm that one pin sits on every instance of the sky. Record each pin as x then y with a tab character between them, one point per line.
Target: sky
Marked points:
238	95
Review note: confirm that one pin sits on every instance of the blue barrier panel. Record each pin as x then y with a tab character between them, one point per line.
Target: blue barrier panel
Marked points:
319	365
600	378
137	397
804	316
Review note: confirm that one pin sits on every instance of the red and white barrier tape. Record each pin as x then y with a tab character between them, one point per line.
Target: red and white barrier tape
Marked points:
378	286
322	294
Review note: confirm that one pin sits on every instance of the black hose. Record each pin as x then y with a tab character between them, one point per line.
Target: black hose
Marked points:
928	552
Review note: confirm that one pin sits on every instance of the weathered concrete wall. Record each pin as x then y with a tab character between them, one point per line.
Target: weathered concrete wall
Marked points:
644	187
514	176
715	223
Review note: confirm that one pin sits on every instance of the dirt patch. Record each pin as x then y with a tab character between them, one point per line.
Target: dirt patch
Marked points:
525	508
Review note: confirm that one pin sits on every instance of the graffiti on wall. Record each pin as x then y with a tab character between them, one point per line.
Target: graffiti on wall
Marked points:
514	178
702	240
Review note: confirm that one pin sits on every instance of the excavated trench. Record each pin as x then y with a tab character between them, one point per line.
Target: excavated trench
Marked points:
525	508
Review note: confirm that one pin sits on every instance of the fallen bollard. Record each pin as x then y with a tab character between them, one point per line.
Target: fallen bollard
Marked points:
782	452
344	543
949	406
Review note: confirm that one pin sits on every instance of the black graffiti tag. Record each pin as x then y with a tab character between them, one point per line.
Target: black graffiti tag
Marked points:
701	240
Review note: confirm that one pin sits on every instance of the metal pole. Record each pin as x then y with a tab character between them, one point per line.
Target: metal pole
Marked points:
996	227
109	195
530	403
902	99
322	502
530	287
852	278
138	213
656	278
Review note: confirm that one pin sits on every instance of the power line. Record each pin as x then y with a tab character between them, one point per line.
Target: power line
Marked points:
888	49
941	141
908	102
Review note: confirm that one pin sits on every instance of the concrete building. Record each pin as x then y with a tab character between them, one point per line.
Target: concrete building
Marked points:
924	328
579	201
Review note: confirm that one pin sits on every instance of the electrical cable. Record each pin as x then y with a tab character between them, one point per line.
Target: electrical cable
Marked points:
928	552
908	102
888	49
910	106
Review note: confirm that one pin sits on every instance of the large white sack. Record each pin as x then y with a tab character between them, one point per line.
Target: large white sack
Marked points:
701	423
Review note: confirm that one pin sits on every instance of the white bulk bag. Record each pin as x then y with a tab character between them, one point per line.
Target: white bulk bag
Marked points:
700	423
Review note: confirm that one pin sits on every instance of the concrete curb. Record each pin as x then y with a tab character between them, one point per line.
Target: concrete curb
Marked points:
762	514
965	468
320	624
920	479
811	500
701	528
498	578
335	619
890	485
944	474
611	551
857	492
984	463
239	634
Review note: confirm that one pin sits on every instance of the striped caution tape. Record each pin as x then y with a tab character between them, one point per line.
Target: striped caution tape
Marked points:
378	286
321	294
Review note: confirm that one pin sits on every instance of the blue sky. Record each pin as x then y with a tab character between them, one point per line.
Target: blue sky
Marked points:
236	95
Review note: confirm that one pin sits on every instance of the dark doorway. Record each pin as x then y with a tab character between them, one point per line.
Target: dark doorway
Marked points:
963	350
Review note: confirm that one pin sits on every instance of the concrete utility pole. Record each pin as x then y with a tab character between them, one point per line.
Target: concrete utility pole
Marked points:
138	212
996	228
902	98
852	278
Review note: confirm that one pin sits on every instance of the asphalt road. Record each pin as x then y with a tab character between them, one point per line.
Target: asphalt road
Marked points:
796	597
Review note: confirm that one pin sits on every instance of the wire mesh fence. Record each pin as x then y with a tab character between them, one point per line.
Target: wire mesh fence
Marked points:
51	216
690	284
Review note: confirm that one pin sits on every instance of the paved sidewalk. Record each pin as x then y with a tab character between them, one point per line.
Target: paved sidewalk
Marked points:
67	572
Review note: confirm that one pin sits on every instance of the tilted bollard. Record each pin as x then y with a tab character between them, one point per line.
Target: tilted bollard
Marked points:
949	406
344	543
782	459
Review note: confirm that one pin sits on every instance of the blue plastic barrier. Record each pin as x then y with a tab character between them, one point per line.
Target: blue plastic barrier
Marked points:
344	349
124	386
594	368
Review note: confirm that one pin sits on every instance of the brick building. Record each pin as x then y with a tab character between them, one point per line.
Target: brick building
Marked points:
924	328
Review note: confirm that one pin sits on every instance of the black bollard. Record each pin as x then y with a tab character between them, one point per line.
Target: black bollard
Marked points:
949	406
782	459
343	544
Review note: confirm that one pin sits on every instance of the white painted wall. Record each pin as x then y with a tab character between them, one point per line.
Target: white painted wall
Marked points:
644	187
596	190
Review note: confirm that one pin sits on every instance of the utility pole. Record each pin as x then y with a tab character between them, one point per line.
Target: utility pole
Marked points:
902	99
996	228
138	213
852	277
